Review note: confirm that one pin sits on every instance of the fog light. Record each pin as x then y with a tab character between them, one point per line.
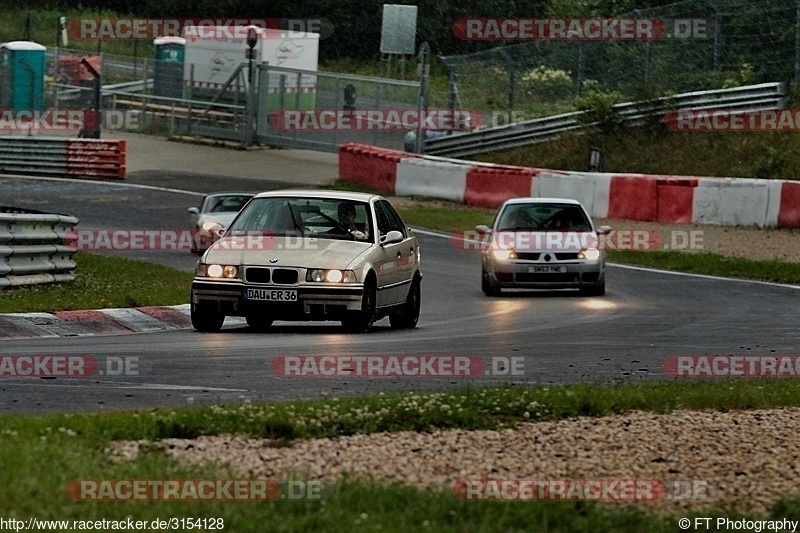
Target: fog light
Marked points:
230	271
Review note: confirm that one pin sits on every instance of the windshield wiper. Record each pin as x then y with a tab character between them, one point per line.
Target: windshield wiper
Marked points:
297	225
337	224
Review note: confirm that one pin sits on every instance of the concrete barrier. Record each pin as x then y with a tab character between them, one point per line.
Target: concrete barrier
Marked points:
421	177
673	199
491	186
731	202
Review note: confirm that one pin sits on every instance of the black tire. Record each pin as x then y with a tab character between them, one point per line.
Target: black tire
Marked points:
594	290
206	320
408	315
259	322
486	285
360	321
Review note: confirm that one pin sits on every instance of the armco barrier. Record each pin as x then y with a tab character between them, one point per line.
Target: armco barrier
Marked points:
672	199
33	247
56	156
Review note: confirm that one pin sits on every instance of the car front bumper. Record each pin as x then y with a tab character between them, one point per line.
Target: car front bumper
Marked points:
314	302
545	275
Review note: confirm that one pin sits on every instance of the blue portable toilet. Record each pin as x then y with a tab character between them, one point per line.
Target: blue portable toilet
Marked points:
22	69
168	75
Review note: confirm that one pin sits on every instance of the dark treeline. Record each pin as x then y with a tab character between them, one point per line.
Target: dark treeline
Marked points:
357	25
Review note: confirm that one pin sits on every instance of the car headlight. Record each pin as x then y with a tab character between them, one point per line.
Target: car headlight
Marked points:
319	275
503	253
217	271
592	254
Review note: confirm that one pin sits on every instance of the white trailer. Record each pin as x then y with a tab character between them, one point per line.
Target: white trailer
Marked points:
214	52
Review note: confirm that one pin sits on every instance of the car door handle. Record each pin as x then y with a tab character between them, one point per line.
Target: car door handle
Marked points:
399	254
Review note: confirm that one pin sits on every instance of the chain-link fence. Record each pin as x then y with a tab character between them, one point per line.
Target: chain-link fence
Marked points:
743	42
326	102
170	97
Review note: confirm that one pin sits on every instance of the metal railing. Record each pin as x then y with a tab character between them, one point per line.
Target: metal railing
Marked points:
753	97
179	115
33	247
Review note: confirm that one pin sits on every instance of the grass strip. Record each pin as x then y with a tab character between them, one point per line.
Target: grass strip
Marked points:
102	281
66	447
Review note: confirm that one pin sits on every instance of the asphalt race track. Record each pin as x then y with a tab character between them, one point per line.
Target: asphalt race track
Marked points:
627	335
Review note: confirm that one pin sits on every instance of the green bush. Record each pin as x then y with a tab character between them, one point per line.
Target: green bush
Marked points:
599	107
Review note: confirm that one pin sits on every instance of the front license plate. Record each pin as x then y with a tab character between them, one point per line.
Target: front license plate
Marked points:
547	269
273	295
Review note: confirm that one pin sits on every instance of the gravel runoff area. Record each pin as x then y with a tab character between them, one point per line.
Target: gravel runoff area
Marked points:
743	460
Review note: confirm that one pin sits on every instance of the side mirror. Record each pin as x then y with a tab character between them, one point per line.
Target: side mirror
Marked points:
483	229
604	230
193	211
391	238
214	227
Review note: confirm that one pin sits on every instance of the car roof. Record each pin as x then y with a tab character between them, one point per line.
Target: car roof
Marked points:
231	193
535	200
320	193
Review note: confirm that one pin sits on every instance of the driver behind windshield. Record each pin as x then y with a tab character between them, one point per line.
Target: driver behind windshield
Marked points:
347	218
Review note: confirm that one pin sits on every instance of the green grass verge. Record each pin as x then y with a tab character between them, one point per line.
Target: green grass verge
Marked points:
64	447
711	264
774	155
102	281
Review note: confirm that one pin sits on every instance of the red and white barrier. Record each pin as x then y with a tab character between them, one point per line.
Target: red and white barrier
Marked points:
423	177
654	198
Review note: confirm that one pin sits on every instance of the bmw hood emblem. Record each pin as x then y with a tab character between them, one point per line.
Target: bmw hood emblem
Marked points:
273	259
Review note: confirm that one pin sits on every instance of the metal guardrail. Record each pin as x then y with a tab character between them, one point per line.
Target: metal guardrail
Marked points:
63	157
764	96
33	247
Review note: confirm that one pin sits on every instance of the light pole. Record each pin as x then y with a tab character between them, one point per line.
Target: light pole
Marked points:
252	40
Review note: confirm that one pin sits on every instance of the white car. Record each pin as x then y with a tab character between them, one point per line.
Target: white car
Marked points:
219	208
311	255
543	243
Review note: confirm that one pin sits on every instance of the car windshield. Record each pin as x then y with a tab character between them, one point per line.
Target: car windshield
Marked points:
324	218
559	217
225	204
